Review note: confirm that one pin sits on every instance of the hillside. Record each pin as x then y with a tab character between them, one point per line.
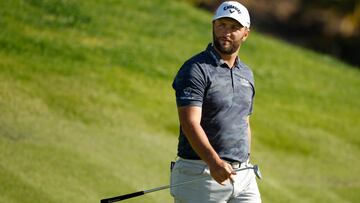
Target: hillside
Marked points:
87	109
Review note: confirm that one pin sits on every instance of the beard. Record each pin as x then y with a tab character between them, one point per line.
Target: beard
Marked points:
227	50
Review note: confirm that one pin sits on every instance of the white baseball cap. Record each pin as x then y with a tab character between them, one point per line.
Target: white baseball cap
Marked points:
234	10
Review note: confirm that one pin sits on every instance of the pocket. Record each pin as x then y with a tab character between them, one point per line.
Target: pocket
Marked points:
172	182
191	169
184	171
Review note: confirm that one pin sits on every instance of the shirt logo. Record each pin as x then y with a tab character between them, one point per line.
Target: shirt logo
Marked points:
187	94
245	82
187	91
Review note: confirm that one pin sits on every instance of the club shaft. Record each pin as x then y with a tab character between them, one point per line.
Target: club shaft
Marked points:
140	193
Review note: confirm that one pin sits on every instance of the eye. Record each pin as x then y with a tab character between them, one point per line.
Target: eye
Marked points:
221	25
236	27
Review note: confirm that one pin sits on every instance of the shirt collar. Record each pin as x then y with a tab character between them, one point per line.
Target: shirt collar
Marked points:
217	58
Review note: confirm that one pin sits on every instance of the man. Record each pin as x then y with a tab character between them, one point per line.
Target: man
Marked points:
214	95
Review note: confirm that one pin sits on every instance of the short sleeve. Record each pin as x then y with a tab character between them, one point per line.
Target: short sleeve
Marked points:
189	85
252	84
252	99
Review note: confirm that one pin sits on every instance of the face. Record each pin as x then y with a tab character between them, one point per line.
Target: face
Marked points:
228	34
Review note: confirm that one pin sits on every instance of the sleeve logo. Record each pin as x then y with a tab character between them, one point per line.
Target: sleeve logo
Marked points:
187	91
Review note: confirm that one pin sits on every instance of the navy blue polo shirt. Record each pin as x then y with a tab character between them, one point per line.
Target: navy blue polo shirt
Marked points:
226	97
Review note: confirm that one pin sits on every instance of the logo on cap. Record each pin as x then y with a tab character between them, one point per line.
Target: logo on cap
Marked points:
232	7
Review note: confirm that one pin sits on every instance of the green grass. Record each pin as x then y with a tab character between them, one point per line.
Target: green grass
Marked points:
87	109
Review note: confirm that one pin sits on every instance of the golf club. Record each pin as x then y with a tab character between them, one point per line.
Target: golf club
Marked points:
139	193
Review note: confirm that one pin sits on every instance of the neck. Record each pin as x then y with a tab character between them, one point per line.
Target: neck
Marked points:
229	59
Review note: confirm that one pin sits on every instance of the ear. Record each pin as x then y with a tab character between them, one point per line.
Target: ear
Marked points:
246	34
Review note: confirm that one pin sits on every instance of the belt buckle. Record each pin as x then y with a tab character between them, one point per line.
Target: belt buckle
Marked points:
235	165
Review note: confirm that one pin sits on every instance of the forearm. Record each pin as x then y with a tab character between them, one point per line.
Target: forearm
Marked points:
190	119
199	142
249	133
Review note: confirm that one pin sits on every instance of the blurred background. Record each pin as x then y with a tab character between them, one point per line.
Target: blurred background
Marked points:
327	26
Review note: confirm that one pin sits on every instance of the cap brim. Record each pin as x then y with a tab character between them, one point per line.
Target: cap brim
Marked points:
226	16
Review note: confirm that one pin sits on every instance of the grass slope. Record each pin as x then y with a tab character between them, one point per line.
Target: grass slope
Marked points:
87	109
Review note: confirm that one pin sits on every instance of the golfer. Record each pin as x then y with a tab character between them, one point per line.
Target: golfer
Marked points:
214	94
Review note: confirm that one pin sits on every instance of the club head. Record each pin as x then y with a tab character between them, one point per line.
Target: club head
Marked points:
257	171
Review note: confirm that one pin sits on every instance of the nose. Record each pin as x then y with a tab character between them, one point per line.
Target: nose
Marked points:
226	31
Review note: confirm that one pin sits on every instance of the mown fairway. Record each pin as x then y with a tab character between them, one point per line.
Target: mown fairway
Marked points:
87	110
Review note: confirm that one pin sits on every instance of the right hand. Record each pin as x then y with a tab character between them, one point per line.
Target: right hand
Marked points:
221	171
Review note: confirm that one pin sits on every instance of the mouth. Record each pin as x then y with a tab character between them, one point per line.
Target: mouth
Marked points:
224	40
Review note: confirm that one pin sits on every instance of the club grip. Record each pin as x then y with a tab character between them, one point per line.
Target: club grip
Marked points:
122	197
